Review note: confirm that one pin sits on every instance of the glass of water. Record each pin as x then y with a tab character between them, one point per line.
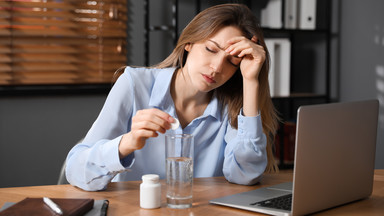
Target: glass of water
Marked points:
179	170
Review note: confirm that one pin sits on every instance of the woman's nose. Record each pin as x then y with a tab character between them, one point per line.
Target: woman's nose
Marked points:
217	64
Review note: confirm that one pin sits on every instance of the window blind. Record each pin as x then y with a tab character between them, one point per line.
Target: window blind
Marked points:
61	41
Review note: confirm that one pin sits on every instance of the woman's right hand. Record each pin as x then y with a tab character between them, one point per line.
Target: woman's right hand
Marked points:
145	124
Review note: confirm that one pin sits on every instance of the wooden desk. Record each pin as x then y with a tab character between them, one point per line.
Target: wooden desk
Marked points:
124	197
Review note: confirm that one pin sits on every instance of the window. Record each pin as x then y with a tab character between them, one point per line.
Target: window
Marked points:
61	41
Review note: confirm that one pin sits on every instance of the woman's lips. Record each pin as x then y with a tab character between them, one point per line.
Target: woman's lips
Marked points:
209	79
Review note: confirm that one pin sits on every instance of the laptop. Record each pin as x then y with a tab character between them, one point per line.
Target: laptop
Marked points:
334	162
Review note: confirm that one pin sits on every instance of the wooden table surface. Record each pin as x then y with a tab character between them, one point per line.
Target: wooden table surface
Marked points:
124	197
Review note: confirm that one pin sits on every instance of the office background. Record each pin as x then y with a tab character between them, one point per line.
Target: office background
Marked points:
37	131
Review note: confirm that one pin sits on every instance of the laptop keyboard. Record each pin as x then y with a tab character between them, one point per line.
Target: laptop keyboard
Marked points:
282	202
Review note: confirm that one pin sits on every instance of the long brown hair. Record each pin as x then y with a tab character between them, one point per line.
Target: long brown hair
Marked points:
230	94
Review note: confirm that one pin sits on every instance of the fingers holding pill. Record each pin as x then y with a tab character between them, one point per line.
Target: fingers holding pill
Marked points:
146	123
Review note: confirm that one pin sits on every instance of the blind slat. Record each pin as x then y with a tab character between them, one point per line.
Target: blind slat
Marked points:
49	51
62	23
107	50
52	67
43	32
57	41
65	5
60	58
63	15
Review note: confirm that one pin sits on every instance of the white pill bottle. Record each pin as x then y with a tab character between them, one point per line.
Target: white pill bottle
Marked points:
150	192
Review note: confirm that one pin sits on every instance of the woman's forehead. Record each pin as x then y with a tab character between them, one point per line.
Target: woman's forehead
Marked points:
224	34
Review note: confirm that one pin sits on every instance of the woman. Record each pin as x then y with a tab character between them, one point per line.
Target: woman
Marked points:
215	82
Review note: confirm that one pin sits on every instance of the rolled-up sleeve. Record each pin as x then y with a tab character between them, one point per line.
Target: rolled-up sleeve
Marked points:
245	153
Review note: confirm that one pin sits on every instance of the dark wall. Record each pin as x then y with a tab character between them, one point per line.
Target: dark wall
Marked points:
362	58
36	133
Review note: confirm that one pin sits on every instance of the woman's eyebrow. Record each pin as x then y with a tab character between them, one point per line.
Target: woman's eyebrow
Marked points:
218	45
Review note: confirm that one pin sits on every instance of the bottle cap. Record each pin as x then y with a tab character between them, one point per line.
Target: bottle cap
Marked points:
150	178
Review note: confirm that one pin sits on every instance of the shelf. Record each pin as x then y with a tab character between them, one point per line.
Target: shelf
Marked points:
306	76
284	30
301	96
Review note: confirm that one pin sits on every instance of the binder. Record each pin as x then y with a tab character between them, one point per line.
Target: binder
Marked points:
290	14
280	66
271	75
271	15
288	139
307	14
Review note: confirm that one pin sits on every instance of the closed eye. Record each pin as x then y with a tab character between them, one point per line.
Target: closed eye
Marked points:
209	50
234	61
233	64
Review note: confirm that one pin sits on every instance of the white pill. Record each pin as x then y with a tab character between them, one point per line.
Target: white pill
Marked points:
175	124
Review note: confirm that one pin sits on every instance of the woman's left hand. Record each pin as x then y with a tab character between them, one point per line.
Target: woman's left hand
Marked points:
252	54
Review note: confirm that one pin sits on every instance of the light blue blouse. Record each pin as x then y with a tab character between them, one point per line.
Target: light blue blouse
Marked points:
239	155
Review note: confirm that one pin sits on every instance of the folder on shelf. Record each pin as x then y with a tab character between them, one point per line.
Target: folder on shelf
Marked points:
271	15
285	143
307	14
280	66
290	14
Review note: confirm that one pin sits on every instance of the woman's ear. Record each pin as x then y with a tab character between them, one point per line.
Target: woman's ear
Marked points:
188	47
